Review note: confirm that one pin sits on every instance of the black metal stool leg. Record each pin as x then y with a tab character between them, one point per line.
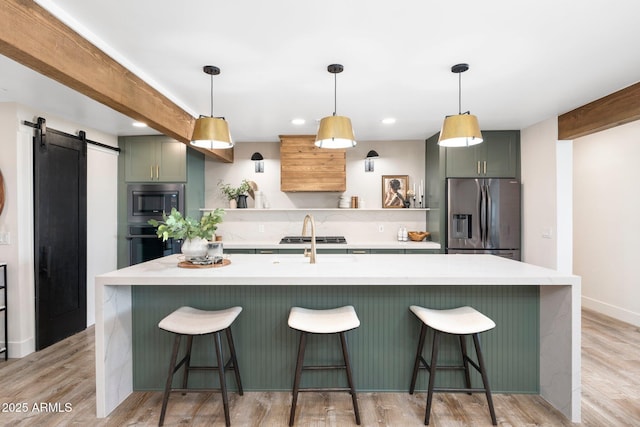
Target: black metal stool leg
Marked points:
187	363
465	361
485	379
167	387
416	365
223	383
347	363
296	379
432	374
234	360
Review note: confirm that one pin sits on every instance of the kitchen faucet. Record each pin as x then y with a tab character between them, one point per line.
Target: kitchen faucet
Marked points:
311	254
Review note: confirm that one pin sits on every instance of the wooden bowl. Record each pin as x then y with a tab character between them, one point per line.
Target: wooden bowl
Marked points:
418	236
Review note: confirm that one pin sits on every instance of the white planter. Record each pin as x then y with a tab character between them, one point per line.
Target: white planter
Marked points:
196	247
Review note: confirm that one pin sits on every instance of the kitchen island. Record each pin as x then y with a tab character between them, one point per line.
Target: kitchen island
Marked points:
535	347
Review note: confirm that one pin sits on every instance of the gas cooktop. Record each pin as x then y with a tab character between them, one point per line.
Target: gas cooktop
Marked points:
307	239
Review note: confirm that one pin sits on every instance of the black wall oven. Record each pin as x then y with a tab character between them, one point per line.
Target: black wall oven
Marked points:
145	202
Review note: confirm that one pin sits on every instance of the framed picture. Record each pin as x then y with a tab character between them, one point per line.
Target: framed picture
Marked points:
394	191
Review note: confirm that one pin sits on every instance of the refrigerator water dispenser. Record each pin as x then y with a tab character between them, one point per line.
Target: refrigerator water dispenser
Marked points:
461	226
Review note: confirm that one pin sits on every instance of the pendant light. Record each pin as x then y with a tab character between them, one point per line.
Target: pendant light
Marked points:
461	130
335	131
211	132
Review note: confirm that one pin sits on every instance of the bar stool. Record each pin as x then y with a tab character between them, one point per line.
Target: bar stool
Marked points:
331	321
189	322
460	321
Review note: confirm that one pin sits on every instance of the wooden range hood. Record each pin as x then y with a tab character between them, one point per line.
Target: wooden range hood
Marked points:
32	36
305	167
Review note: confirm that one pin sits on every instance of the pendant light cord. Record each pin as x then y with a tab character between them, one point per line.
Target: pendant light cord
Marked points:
211	95
335	93
459	93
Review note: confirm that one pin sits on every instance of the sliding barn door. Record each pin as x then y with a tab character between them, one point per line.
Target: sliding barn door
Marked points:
60	202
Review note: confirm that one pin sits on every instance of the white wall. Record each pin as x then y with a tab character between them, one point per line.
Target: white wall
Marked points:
16	163
606	206
396	158
537	147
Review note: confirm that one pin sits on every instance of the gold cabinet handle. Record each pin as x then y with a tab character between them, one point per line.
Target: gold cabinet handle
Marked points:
478	167
151	172
359	252
266	252
485	167
158	172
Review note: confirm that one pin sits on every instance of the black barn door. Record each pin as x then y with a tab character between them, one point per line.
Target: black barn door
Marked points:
60	204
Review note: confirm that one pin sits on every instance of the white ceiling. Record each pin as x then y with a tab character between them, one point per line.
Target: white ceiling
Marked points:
529	61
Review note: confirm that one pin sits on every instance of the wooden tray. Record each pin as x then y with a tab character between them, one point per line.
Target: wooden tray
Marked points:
188	264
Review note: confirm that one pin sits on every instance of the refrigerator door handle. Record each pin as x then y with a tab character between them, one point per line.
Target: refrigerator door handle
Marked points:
488	216
482	214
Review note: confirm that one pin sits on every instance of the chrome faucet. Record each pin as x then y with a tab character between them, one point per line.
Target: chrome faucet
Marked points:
311	254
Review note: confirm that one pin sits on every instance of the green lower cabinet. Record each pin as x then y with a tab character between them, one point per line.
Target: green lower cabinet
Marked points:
387	251
239	251
290	251
271	251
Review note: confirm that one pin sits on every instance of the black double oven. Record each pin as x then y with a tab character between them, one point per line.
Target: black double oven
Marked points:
145	202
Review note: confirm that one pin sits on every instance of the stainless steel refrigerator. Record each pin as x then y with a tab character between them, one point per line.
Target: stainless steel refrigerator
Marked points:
483	216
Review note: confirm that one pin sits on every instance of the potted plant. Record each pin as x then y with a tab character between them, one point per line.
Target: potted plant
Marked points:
194	234
236	195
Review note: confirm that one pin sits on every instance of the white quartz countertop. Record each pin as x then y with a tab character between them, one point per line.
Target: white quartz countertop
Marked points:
270	244
366	269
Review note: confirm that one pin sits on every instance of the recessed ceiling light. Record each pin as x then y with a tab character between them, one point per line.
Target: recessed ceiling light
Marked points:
298	121
139	124
388	121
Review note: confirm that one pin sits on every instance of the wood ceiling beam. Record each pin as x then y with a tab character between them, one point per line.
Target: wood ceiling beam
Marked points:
32	36
613	110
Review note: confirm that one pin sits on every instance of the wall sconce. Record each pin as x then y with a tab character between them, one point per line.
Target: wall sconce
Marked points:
259	161
368	161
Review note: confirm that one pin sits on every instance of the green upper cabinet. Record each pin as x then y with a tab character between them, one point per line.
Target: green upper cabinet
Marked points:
155	159
497	157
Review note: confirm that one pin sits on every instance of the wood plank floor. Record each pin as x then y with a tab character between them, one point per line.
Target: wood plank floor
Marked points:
61	378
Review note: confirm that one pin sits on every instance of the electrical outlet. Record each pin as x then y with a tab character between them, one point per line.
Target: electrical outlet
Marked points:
5	238
380	228
260	228
547	233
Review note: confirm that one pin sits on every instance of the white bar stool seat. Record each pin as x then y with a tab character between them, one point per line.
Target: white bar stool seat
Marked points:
458	321
189	322
461	321
329	321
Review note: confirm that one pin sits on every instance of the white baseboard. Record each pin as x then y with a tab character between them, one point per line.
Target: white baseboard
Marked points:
21	349
619	313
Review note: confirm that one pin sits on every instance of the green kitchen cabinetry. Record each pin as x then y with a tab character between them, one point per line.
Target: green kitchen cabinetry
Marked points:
422	251
376	251
154	159
497	157
239	251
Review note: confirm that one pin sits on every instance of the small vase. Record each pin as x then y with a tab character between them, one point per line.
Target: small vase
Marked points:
196	247
242	201
233	204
